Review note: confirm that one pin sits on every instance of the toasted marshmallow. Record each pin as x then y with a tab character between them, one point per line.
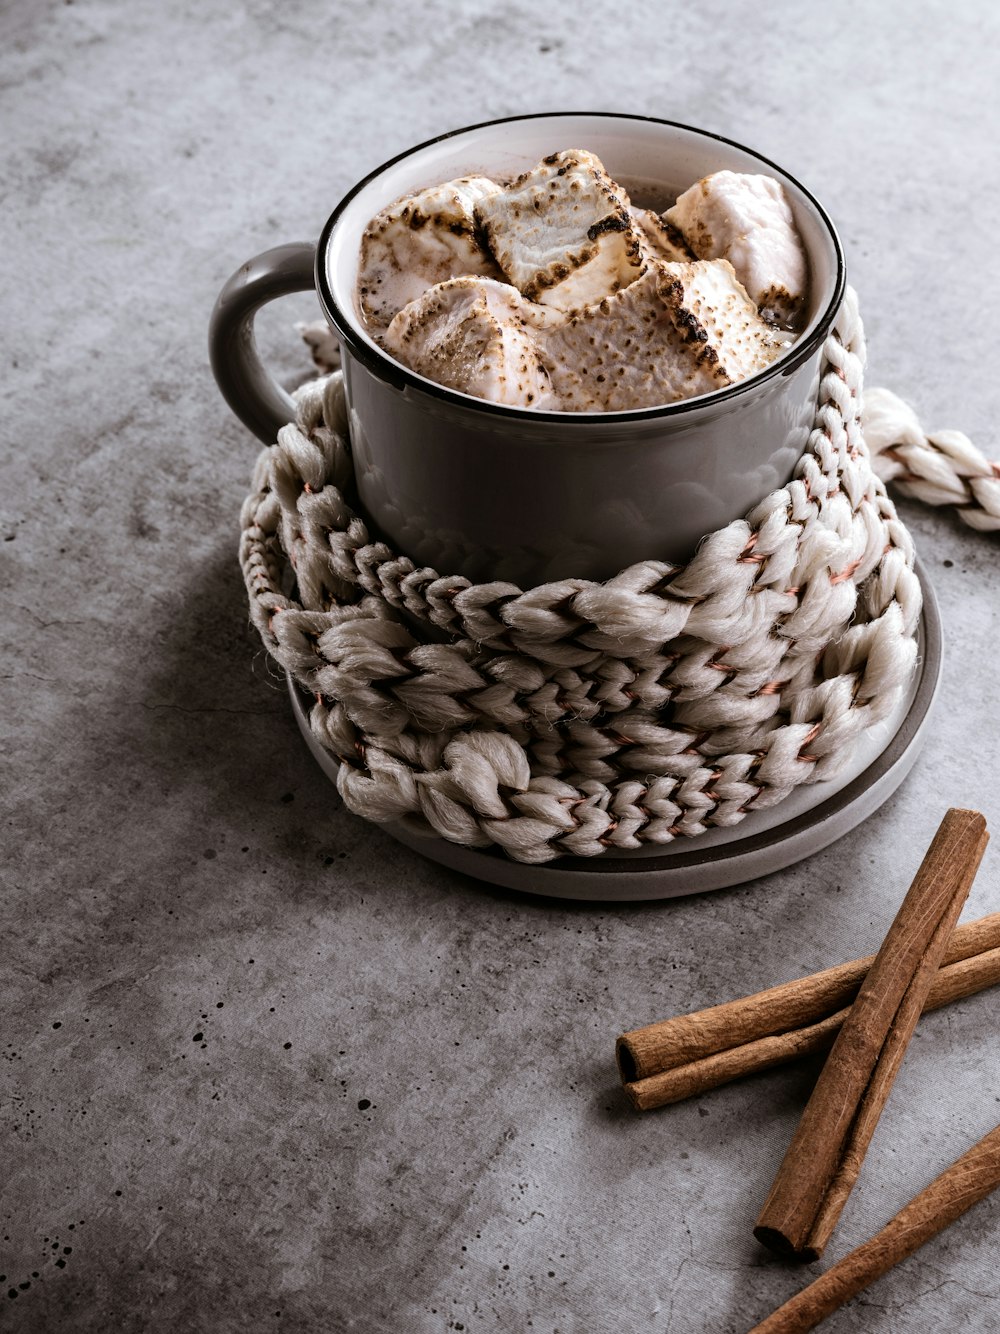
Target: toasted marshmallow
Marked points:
681	329
475	335
659	238
420	241
747	220
563	233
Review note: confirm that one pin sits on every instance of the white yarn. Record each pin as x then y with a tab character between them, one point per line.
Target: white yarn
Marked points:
940	469
578	717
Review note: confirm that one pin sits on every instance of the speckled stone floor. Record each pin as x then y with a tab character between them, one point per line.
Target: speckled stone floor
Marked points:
263	1068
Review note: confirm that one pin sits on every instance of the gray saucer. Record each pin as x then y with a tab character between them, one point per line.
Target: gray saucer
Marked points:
805	822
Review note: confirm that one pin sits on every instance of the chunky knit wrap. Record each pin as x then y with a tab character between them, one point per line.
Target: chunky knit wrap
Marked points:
577	717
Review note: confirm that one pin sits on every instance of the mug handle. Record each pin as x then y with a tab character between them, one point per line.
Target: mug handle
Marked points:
250	390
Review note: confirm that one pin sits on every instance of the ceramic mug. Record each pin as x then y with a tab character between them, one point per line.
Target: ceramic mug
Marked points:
498	492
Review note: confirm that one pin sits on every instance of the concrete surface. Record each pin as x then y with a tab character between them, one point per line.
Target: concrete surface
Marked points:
264	1068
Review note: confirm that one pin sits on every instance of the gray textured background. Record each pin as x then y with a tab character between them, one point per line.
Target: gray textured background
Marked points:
175	864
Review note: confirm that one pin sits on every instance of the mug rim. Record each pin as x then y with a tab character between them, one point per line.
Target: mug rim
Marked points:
386	368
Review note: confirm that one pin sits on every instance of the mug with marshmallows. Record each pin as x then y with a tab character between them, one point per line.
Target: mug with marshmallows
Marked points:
502	375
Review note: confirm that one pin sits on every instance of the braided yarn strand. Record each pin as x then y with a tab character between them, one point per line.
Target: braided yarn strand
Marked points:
940	469
578	717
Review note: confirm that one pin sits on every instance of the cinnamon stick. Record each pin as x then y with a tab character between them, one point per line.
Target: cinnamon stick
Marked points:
969	1179
690	1037
962	974
828	1148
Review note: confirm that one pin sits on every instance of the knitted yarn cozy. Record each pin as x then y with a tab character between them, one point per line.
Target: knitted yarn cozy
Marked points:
577	717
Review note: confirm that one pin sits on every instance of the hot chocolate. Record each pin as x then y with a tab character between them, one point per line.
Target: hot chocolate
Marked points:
555	292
